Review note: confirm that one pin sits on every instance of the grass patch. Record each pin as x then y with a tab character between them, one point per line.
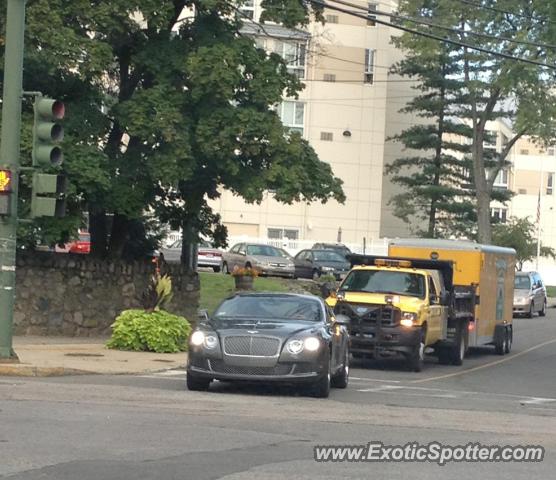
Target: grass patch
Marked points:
551	291
215	287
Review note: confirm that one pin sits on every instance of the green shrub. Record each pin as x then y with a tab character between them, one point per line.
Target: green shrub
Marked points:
157	331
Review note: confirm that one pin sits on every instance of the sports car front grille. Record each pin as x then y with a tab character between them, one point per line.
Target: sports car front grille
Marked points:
251	346
219	366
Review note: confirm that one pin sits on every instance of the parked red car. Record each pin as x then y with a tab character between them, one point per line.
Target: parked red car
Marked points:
82	245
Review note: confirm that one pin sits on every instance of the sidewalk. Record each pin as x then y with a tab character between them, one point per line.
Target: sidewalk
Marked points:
57	356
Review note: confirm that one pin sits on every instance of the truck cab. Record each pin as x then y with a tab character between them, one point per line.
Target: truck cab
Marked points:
394	308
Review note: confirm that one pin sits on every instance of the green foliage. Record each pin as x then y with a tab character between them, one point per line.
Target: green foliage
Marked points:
491	87
520	234
158	293
164	112
157	331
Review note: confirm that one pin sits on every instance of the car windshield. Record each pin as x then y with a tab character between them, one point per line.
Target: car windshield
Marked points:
263	251
328	256
522	282
385	281
270	307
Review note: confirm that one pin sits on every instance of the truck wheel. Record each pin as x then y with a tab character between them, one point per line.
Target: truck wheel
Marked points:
501	344
215	269
416	359
509	339
542	311
457	351
531	310
443	356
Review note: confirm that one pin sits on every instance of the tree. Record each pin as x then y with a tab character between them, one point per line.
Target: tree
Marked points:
436	196
168	102
496	87
521	235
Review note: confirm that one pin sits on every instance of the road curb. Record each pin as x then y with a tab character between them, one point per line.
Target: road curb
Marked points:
30	371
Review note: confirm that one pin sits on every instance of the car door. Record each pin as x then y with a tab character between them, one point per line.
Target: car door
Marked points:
231	256
435	324
538	291
298	262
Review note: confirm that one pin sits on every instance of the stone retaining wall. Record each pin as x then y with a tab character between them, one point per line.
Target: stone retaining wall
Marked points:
74	295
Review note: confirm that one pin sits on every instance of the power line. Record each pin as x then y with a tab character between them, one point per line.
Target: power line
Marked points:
506	12
419	21
433	36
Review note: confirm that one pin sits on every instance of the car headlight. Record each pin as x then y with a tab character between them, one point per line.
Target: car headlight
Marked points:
295	346
197	338
408	319
312	344
211	341
327	269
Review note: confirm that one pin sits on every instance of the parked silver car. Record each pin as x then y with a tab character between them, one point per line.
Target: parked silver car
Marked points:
268	260
529	294
207	256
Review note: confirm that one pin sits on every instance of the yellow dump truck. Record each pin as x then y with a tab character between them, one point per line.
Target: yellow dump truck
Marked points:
429	294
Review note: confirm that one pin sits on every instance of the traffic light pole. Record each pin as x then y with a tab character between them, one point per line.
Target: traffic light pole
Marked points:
9	158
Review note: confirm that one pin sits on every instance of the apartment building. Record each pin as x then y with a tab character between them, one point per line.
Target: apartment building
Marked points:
347	110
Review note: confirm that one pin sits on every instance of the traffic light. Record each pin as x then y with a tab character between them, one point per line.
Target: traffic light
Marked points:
5	191
49	195
47	133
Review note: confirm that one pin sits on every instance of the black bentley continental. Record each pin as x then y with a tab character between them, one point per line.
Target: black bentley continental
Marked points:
271	338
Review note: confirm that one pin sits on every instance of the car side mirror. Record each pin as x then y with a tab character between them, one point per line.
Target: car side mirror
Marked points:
434	299
242	252
203	316
342	320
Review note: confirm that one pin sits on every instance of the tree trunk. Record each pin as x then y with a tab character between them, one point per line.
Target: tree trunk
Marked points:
98	231
437	158
189	242
483	217
118	236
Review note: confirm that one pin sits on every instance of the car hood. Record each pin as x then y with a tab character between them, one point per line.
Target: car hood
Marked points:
522	293
275	328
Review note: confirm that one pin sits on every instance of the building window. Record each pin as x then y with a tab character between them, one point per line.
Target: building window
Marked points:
292	115
371	11
247	10
283	233
326	136
499	215
502	178
294	54
522	191
524	151
329	77
549	183
369	65
331	18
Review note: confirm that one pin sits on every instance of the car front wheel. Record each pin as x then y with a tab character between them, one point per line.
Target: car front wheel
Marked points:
341	379
197	384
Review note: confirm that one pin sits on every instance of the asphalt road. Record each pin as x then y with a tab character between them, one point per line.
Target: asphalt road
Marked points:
151	427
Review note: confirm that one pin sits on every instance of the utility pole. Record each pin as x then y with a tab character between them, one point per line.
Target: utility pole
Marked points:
9	159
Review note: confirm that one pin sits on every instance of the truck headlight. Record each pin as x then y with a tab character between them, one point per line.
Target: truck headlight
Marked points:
408	319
